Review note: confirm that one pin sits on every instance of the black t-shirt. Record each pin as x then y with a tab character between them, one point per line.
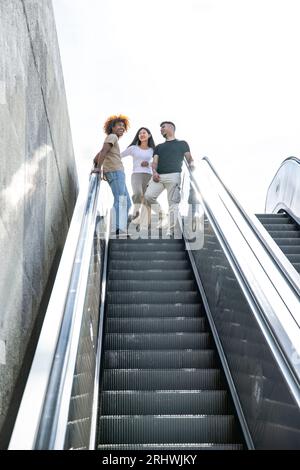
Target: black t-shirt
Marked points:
171	155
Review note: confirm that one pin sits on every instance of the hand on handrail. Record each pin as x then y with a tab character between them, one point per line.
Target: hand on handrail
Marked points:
192	166
95	170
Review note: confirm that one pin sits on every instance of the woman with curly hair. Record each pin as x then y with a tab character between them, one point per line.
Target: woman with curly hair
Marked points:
109	159
141	150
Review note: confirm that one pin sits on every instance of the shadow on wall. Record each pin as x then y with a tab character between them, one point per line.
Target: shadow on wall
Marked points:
28	357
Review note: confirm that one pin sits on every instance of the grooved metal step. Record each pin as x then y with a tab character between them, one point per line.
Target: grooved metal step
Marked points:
161	285
155	325
144	247
293	258
162	379
154	310
171	446
164	402
286	235
149	264
144	241
275	217
157	341
151	274
287	241
275	221
152	429
140	297
164	359
271	227
142	255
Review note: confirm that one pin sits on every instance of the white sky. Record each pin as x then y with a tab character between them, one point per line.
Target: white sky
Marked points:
227	72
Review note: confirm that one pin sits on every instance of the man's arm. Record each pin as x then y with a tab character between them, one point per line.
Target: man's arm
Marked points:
154	168
190	160
99	158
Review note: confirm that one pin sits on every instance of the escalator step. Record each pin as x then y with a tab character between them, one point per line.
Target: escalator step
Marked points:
154	310
170	446
151	275
161	285
281	227
162	379
276	217
157	341
283	241
145	241
181	429
141	297
149	247
164	402
296	266
274	221
294	259
290	250
142	255
178	359
149	264
285	234
155	325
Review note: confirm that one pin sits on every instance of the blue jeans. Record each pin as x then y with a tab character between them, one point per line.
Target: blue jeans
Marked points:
122	203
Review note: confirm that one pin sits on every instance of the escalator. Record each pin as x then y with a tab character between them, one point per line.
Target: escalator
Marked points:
160	343
286	233
162	383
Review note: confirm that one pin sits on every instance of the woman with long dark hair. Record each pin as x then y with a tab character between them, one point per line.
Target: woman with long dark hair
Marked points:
141	149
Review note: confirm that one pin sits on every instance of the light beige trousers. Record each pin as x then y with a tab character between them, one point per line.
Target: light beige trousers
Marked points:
171	182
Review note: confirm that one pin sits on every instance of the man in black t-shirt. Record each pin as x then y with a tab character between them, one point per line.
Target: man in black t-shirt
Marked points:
167	164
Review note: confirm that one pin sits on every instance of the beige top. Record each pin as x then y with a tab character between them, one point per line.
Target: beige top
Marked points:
112	161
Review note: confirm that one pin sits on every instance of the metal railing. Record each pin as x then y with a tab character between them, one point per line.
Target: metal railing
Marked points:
42	418
274	299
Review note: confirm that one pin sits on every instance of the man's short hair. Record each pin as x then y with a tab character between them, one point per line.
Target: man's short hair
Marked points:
169	122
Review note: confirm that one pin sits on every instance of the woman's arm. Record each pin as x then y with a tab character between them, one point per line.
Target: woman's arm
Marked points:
127	152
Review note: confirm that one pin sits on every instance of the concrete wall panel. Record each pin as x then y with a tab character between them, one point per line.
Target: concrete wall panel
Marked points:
38	181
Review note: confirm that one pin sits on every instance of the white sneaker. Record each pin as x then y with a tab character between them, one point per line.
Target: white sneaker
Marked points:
136	221
163	223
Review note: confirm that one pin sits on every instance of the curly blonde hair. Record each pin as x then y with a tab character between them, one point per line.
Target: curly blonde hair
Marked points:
111	121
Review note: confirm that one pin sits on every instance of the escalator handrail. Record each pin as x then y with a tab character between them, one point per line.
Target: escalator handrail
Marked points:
282	204
271	247
265	301
42	416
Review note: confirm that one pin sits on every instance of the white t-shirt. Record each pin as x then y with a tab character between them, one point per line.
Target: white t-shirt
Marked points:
139	155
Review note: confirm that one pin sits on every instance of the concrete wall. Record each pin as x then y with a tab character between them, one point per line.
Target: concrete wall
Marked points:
38	184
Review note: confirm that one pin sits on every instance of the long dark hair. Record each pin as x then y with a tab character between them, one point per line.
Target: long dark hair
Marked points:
136	140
